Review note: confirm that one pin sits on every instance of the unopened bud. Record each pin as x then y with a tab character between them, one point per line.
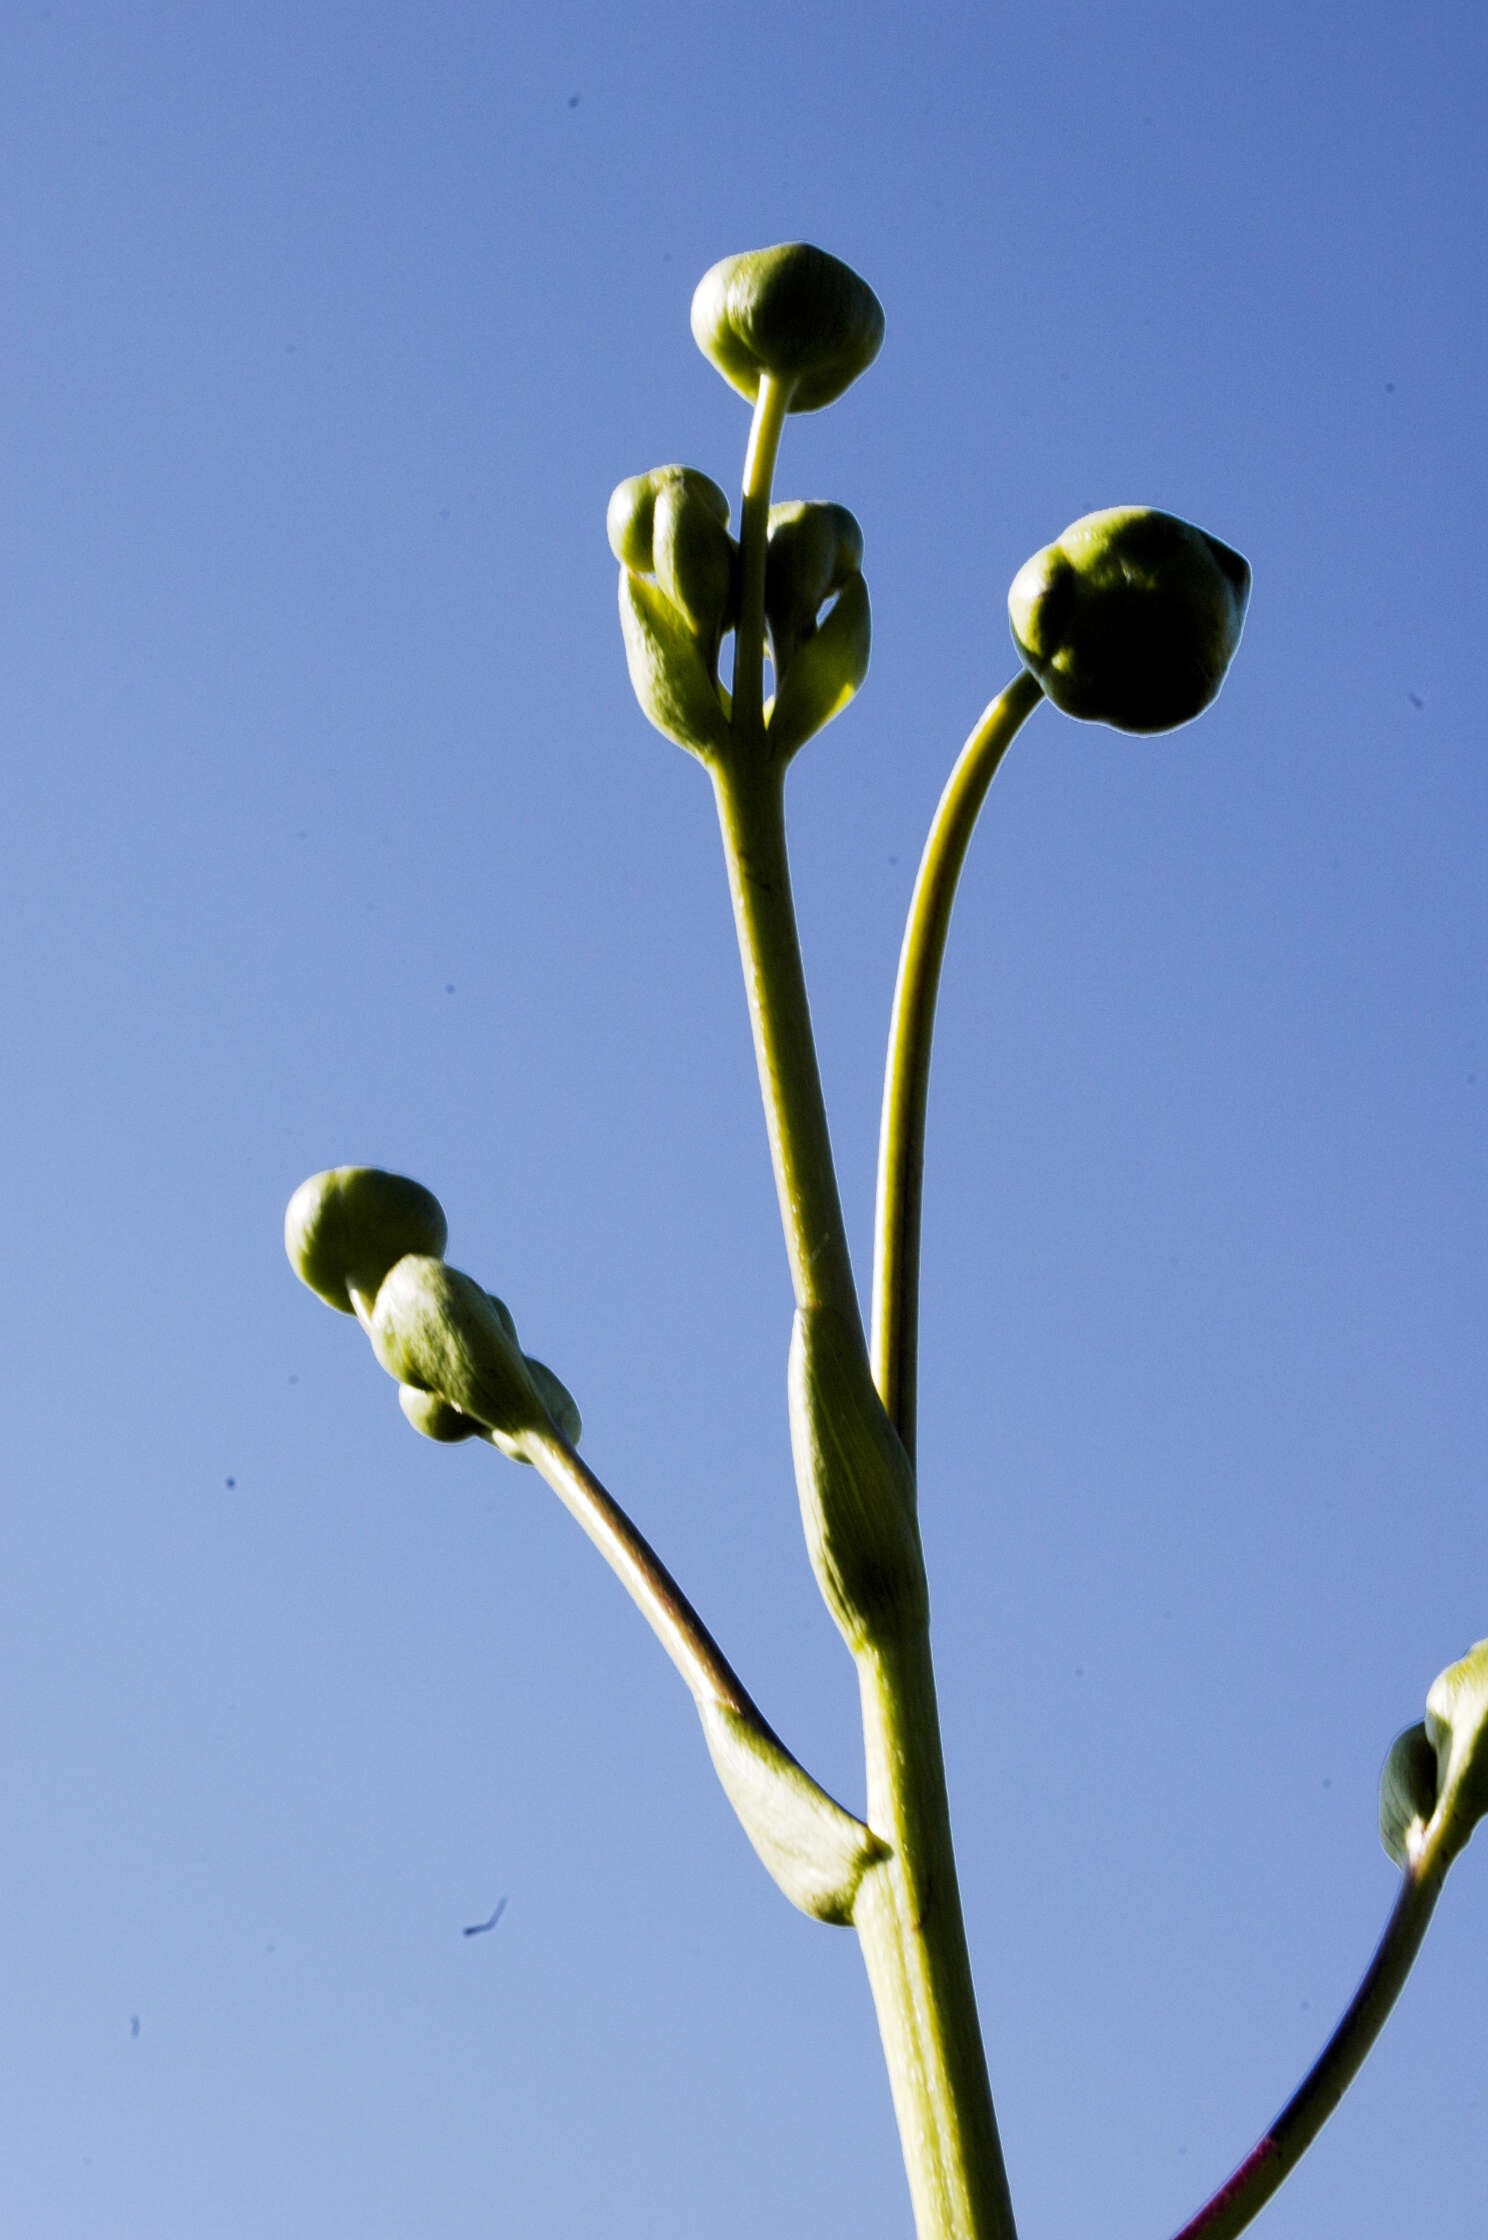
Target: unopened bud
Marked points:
792	312
1457	1729
438	1331
345	1228
1131	618
812	549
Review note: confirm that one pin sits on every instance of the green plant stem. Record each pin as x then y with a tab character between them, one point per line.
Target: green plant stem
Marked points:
1276	2155
751	817
708	1674
771	405
901	1152
908	1918
908	1911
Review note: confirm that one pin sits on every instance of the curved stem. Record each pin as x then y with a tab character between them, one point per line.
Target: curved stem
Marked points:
1277	2154
709	1676
901	1147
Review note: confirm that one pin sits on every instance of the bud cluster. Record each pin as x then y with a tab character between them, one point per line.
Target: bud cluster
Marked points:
803	321
372	1244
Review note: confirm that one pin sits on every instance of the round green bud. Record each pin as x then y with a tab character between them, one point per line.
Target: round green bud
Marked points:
631	514
558	1400
435	1418
792	312
1457	1729
811	549
438	1331
345	1228
1131	618
1407	1793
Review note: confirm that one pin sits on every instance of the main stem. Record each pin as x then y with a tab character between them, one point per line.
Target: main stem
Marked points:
751	818
913	1938
908	1909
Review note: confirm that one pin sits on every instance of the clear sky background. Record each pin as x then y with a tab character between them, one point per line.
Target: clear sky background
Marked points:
331	833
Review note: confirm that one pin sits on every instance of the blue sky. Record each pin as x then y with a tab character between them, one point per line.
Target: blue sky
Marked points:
331	833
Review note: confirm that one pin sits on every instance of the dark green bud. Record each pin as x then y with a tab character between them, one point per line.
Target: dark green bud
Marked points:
824	673
1434	1787
434	1418
792	312
1131	618
811	550
855	1482
1407	1794
557	1399
345	1228
438	1331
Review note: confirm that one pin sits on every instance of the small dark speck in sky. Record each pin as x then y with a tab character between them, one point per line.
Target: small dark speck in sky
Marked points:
479	1928
449	987
573	101
134	2026
1415	699
229	1483
1389	388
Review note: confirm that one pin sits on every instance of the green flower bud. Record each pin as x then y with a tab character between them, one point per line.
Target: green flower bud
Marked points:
792	312
345	1228
435	1418
1407	1794
811	550
697	565
557	1399
1131	618
824	673
631	516
1457	1729
438	1331
669	674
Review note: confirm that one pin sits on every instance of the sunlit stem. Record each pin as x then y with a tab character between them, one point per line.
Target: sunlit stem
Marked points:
708	1674
901	1149
1277	2154
771	405
908	1918
751	817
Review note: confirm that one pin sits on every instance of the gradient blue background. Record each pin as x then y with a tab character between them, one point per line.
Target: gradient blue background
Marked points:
332	833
